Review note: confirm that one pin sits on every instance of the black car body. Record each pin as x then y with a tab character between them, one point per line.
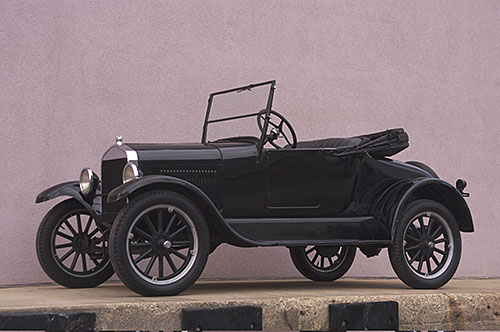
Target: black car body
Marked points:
325	196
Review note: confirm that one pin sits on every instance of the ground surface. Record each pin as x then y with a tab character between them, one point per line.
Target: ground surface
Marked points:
463	304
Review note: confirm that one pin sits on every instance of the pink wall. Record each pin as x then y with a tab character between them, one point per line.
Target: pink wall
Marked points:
75	74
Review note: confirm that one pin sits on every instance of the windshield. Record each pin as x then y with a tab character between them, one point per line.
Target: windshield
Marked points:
233	113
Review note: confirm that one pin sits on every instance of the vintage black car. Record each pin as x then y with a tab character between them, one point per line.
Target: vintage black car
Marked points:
161	209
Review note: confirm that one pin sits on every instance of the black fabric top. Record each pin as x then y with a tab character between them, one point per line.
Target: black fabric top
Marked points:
330	143
379	144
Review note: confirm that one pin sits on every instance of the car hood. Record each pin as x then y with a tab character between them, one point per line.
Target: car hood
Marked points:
175	151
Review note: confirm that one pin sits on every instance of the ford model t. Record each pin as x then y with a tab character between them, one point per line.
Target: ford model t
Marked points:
159	210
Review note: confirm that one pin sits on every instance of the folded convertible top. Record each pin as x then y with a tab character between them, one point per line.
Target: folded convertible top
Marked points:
385	143
381	144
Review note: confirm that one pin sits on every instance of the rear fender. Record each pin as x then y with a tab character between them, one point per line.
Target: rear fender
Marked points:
70	189
437	190
214	218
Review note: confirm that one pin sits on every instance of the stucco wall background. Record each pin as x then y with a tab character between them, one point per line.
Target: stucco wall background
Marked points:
73	74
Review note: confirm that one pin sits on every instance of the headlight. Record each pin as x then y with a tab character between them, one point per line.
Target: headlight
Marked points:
130	172
89	181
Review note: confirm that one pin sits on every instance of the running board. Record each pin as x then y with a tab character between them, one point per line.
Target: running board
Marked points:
302	231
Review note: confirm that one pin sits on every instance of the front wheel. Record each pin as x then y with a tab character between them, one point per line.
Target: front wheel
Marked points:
323	263
427	246
71	248
159	243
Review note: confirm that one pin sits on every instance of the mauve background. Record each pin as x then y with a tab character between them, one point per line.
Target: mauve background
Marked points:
76	73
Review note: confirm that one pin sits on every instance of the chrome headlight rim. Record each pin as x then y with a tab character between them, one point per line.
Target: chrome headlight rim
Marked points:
88	182
130	172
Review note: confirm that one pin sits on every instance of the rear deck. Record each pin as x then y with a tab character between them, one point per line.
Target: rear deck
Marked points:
463	304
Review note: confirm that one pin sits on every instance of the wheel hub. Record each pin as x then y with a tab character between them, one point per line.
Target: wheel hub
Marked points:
161	244
427	247
82	243
327	251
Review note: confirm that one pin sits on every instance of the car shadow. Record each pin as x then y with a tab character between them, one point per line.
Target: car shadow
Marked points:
269	285
289	287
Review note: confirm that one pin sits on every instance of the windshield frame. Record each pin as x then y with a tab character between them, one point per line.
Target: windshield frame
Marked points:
241	89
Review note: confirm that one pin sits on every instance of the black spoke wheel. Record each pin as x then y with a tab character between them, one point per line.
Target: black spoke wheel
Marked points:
71	248
427	245
323	263
159	243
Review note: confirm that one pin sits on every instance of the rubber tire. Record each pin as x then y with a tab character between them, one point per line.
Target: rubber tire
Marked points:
300	261
46	258
423	166
396	255
118	240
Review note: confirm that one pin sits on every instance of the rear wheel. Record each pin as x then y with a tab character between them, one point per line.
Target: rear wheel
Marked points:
323	263
70	247
427	245
159	243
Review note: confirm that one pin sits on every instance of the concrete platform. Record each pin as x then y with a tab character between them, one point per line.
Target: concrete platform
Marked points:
463	304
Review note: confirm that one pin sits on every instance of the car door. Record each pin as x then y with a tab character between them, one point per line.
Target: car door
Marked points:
293	181
242	185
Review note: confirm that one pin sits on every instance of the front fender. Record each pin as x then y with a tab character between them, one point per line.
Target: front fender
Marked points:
214	218
70	189
440	191
124	190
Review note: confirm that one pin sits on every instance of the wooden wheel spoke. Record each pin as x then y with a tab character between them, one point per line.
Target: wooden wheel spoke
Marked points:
141	245
429	226
181	243
421	224
66	255
66	236
160	266
437	232
65	245
150	264
433	257
79	223
94	232
87	227
316	255
73	263
180	247
170	223
177	232
442	252
84	262
152	229
330	261
142	233
420	265
415	257
171	263
412	247
412	238
428	264
160	221
71	229
310	250
142	256
178	254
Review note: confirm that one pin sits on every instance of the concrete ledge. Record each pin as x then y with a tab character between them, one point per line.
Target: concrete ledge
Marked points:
463	304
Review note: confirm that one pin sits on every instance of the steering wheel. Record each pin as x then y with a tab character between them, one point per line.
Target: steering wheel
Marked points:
277	129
